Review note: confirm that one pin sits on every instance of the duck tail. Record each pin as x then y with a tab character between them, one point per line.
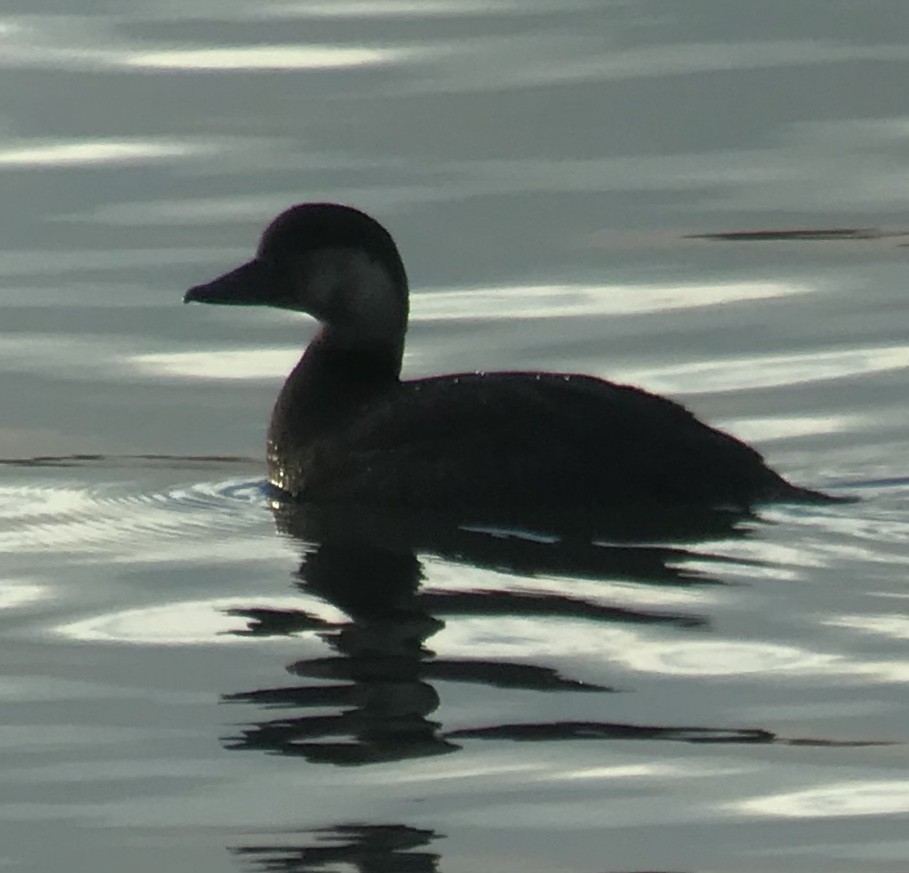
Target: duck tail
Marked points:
797	494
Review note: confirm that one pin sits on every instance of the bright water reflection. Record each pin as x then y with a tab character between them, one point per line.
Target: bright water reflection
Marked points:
106	152
846	799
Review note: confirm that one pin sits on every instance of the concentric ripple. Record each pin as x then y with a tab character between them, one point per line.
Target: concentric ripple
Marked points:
122	507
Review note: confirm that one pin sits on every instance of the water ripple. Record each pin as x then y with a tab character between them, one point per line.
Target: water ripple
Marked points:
107	518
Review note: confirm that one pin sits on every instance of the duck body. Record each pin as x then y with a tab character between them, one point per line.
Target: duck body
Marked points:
345	428
500	440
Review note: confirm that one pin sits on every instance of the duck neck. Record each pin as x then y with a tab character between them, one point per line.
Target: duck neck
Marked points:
329	383
332	361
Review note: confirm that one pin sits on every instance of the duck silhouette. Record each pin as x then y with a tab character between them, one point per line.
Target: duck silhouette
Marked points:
346	428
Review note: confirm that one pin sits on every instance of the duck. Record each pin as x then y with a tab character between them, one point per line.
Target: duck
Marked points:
346	428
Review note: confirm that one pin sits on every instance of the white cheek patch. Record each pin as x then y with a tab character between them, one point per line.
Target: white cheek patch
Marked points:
355	294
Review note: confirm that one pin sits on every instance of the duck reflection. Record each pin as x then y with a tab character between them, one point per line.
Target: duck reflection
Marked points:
374	684
366	848
373	698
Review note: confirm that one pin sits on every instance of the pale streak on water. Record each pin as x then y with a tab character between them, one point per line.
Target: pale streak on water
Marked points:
180	693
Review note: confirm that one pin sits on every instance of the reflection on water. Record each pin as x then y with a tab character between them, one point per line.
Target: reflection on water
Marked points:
374	697
276	57
107	152
826	234
394	600
366	848
856	797
44	42
372	573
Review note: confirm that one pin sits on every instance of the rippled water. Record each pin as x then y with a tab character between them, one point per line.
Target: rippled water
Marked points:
707	199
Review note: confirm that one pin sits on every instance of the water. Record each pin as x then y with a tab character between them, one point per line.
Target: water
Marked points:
194	677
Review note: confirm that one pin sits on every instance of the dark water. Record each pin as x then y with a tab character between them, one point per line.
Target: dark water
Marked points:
704	198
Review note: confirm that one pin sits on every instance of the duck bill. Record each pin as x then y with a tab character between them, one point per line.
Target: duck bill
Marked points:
249	285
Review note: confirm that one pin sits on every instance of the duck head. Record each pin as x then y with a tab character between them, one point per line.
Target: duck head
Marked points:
330	261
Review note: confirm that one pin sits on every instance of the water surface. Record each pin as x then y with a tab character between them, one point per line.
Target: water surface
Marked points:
701	198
